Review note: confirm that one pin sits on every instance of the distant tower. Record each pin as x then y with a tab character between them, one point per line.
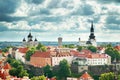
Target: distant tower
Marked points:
36	42
92	33
92	40
30	42
30	37
79	40
59	41
24	42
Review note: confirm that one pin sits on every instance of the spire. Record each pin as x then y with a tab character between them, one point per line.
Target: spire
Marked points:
24	39
35	39
92	32
30	36
92	29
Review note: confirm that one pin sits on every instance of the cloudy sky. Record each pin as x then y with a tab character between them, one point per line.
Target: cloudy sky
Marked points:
48	19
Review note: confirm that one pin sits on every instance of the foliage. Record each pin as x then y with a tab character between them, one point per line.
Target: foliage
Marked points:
64	69
113	53
41	47
79	48
5	49
69	45
17	68
107	76
39	78
48	71
92	48
29	53
118	77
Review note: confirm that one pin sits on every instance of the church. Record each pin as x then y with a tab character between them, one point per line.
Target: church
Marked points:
91	40
30	42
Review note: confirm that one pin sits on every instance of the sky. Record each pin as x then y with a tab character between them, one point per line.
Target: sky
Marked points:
49	19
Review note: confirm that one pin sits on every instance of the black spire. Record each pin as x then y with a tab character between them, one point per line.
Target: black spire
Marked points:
35	39
30	36
24	39
92	32
92	29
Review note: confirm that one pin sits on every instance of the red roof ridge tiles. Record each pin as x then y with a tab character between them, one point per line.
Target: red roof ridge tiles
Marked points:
23	50
41	54
86	76
7	66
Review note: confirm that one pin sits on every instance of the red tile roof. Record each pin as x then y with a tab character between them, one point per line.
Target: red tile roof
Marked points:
88	54
41	54
4	74
86	76
7	66
23	50
117	47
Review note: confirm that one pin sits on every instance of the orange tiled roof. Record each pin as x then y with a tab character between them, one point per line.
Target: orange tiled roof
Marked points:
117	47
41	54
88	54
4	74
86	76
23	50
7	66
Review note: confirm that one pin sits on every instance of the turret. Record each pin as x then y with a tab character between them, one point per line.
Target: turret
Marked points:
59	41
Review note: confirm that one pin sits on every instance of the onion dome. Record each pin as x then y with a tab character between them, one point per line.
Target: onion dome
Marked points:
35	39
24	40
30	35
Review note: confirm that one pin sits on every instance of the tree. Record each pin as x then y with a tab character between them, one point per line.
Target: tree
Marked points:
19	71
107	76
79	48
41	47
92	48
39	78
48	71
17	68
113	53
64	70
29	54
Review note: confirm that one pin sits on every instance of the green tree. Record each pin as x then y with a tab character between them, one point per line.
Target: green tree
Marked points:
13	72
79	48
64	70
17	68
39	78
92	48
48	71
118	77
29	54
41	47
107	76
19	71
113	53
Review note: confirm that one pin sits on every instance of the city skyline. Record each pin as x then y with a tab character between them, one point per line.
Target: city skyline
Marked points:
47	19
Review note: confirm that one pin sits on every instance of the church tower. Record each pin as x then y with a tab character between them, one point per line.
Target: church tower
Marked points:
92	36
30	42
92	40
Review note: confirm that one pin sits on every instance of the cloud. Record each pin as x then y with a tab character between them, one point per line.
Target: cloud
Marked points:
34	1
113	19
8	7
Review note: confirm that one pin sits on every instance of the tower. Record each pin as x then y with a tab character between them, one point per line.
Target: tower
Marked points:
59	41
30	42
24	42
92	36
30	37
92	40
